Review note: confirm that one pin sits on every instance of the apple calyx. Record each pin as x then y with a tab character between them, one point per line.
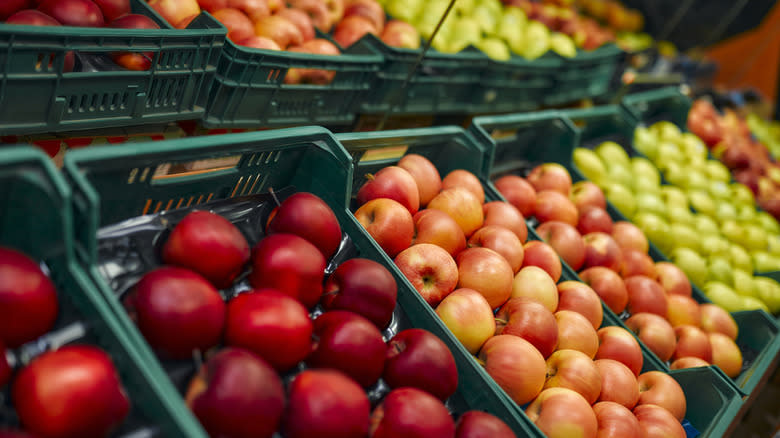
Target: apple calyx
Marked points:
396	348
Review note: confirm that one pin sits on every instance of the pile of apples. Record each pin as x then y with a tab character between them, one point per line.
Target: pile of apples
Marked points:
542	343
71	391
85	13
613	259
268	366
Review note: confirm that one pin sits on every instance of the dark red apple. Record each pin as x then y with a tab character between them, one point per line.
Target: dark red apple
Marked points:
310	217
10	7
394	183
270	324
290	264
83	13
7	433
362	286
5	367
478	424
28	299
177	311
134	61
411	413
237	394
32	17
417	358
113	9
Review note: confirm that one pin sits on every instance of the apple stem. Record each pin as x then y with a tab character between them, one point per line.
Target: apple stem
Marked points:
500	321
271	191
480	362
369	176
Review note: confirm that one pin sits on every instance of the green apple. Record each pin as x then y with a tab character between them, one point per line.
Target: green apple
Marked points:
674	196
612	154
622	198
755	238
740	258
679	214
694	265
666	131
723	296
768	222
740	193
642	187
720	269
656	229
768	291
717	171
743	282
620	174
725	212
706	225
535	41
733	231
650	203
668	152
746	213
773	244
494	5
684	237
702	202
468	33
485	16
590	164
676	174
406	10
696	180
713	244
646	142
563	45
494	48
699	164
464	7
511	26
645	171
764	262
692	145
720	191
753	303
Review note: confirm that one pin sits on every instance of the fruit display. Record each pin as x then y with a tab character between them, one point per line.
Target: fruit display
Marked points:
765	131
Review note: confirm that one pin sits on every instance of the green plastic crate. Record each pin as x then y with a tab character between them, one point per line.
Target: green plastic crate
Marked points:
524	140
36	219
587	75
37	96
113	184
517	84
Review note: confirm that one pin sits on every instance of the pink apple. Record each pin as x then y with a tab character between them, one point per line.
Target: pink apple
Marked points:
542	255
516	366
602	250
401	34
438	228
575	332
431	270
618	383
574	370
615	421
425	175
501	240
683	310
629	236
655	332
688	362
637	263
566	241
534	283
469	317
645	295
461	205
518	192
656	422
717	319
389	223
608	285
506	215
554	206
487	272
658	388
391	182
673	279
594	219
465	179
618	344
692	342
550	176
561	412
530	320
579	297
587	194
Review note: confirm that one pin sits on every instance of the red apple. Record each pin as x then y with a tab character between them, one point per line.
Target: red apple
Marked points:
501	240
592	219
469	317
655	332
487	272
602	250
317	10
283	31
658	388
465	179
566	241
368	9
8	433
579	297
425	175
615	421
32	17
587	194
290	264
237	394
692	342
313	76
176	12
301	20
629	236
506	215
516	366
542	255
657	422
561	412
618	383
430	269
637	263
574	370
608	285
553	206
683	310
351	29
362	286
715	319
645	295
212	6
411	413
335	10
177	311
71	392
84	13
264	43
530	320
394	183
518	192
29	299
5	367
208	244
325	403
417	358
688	362
478	424
254	9
438	228
270	324
575	332
129	60
113	9
673	279
618	344
10	7
550	176
462	206
389	223
534	283
239	26
401	34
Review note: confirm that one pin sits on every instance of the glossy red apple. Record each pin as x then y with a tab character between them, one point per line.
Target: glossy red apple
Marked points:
579	297
465	179
516	366
618	383
566	241
615	421
608	285
561	412
479	424
438	228
430	269
32	17
501	240
645	295
411	413
518	192
506	215
462	206
550	176
658	388
425	175
637	263
113	9
362	286
657	422
672	279
487	272
417	358
10	7
394	183
574	370
527	318
575	332
655	332
618	344
389	223
308	216
594	219
83	13
629	236
542	255
554	206
587	194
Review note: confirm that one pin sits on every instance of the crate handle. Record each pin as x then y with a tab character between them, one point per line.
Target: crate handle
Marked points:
170	171
384	153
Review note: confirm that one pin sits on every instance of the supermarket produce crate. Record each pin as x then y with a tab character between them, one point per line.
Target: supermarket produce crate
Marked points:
517	84
588	75
112	184
37	95
715	398
524	140
661	104
36	219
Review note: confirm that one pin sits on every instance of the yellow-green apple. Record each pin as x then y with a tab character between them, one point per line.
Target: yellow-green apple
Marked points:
715	319
565	240
533	282
239	26
391	182
688	362
619	344
694	265
431	270
542	255
425	175
475	424
592	219
587	194
465	179
487	272
469	317
409	412
608	285
516	366
683	310
462	206
726	354
657	422
659	388
176	12
550	176
388	222
279	29
601	250
438	228
314	395
518	192
618	383
672	279
655	332
692	342
506	215
579	297
615	421
362	286
301	20
530	320
501	240
370	9
553	206
629	236
310	217
574	370
575	332
621	197
335	10
645	295
561	412
637	263
401	34
418	358
349	30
